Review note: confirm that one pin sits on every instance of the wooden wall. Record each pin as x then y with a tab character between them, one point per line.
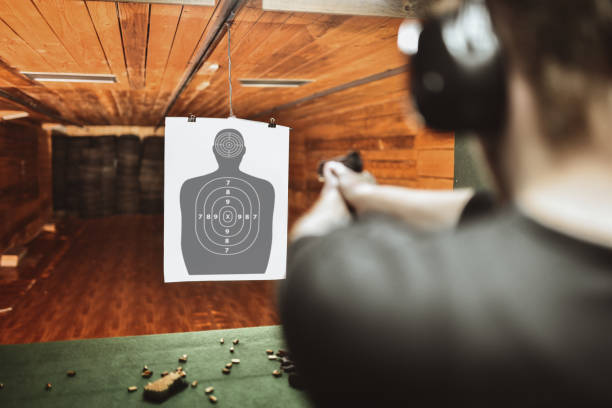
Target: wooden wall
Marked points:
25	182
376	119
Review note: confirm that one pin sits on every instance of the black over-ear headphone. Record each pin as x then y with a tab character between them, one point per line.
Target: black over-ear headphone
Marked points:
458	76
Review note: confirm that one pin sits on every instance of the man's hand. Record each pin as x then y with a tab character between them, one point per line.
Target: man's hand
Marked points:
424	210
354	187
328	213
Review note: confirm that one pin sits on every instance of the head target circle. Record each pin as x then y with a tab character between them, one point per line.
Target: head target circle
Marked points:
229	143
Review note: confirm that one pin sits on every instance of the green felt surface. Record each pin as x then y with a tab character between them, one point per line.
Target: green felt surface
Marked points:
106	367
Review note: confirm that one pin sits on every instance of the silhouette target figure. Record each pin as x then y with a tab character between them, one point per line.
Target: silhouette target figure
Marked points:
227	215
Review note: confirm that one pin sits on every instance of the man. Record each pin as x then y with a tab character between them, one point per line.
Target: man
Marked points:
514	309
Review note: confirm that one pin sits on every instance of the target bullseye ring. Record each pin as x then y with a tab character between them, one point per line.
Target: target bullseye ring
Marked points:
227	213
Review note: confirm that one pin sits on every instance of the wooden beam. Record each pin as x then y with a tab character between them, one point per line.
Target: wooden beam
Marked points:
30	104
343	87
181	2
384	8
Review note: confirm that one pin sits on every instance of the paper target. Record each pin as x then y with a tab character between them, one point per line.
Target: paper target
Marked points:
226	200
227	216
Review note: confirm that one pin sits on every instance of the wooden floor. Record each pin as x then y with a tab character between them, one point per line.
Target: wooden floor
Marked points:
104	278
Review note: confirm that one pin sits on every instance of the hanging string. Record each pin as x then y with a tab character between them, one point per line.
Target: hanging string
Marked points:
229	66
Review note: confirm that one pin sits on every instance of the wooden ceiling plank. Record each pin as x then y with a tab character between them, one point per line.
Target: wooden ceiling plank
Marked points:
331	39
18	53
261	44
134	23
39	50
25	20
329	70
72	25
171	2
163	27
191	26
106	23
243	38
241	29
162	32
294	39
336	38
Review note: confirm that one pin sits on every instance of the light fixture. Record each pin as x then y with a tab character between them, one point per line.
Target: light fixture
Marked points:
213	67
70	77
274	83
12	114
408	37
203	86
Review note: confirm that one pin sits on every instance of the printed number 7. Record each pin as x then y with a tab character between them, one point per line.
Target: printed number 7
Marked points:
227	182
199	216
226	250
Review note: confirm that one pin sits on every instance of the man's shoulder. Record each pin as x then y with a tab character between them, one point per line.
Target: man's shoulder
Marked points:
394	245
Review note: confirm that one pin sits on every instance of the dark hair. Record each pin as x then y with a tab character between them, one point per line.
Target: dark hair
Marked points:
564	48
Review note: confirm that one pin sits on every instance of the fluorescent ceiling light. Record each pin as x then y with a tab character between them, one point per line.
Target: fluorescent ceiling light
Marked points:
10	115
70	77
274	83
408	37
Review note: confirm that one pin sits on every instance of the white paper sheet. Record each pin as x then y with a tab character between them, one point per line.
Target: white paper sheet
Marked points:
225	200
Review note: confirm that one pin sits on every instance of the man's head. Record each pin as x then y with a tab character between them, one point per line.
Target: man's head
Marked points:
229	148
563	48
557	63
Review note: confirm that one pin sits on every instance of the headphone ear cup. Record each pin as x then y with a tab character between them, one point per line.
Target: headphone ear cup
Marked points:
454	94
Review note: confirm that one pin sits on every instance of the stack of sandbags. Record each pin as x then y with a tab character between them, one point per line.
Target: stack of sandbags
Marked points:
128	165
152	176
90	198
108	150
59	161
76	147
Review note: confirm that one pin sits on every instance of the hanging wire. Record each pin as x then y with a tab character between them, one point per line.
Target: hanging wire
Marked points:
229	67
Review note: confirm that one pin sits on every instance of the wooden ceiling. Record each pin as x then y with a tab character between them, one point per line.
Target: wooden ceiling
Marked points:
153	49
